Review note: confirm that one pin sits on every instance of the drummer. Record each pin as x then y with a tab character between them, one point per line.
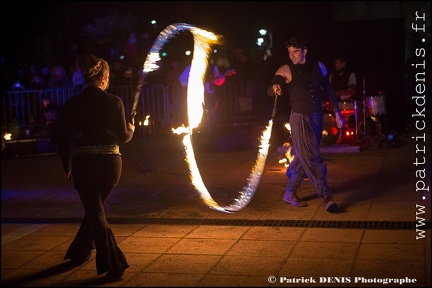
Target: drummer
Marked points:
343	80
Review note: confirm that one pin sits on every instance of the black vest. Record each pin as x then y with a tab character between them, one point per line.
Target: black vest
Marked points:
304	89
340	79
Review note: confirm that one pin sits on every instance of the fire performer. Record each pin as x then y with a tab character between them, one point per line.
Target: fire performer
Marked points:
305	79
92	127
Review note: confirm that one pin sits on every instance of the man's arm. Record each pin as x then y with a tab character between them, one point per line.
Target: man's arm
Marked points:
352	81
281	77
219	78
328	88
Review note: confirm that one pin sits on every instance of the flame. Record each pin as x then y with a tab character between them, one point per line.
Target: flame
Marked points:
289	155
150	63
195	108
195	90
288	150
245	196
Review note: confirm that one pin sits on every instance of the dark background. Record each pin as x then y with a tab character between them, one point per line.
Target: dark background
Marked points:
58	24
375	48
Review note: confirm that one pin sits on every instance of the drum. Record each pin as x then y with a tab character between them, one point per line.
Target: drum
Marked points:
330	133
376	105
346	107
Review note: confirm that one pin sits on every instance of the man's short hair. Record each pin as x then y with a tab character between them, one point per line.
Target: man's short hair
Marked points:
296	42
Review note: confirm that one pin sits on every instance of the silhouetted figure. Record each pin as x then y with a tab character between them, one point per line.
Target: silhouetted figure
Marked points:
93	126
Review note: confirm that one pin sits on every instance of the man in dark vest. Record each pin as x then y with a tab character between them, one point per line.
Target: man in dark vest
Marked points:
305	79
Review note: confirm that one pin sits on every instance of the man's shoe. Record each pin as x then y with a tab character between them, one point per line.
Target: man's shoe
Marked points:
293	199
329	203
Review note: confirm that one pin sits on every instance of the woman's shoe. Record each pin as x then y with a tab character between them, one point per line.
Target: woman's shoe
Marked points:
79	262
114	275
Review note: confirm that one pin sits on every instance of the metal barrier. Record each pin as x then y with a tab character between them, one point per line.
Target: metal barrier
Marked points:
155	101
236	103
23	107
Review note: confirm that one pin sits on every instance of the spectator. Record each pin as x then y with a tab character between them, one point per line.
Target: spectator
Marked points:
131	54
45	72
176	94
37	81
19	83
59	78
77	81
51	116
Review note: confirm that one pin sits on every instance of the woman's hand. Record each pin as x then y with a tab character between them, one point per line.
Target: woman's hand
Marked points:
131	127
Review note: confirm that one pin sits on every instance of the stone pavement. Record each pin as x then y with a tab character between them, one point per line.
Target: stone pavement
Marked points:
380	234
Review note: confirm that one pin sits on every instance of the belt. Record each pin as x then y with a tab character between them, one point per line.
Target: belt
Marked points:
97	150
306	115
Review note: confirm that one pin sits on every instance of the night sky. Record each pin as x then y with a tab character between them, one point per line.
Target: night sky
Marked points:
61	22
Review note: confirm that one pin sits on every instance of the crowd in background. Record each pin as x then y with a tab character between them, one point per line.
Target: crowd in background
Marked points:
126	64
252	66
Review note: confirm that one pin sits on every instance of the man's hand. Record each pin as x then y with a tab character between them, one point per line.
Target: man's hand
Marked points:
339	120
277	89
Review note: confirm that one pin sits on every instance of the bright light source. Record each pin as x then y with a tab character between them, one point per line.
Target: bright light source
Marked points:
260	41
153	22
7	136
188	52
263	32
164	54
145	122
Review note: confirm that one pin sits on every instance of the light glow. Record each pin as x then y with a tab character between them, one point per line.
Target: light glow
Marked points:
195	108
7	136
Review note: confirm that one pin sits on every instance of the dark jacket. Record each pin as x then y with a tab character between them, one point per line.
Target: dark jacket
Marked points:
93	117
